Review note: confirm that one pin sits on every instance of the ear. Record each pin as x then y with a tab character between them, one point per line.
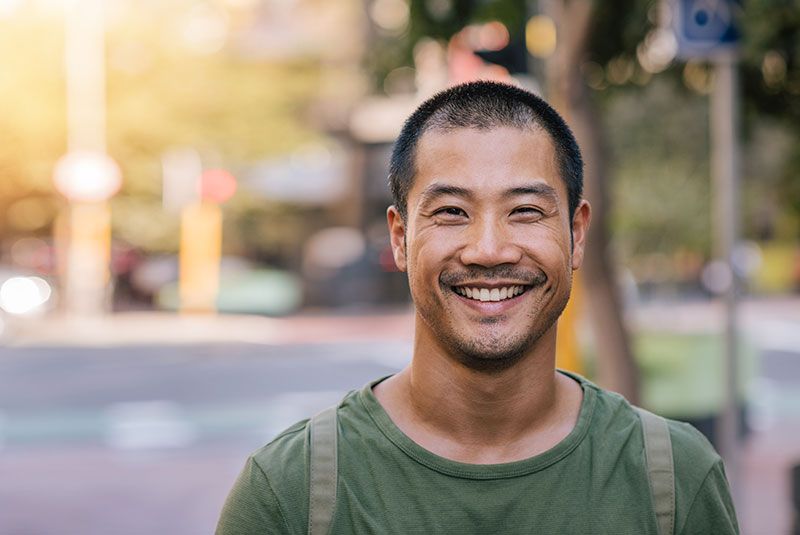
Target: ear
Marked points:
397	237
580	226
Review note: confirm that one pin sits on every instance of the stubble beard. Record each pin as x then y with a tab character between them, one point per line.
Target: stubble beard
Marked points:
490	350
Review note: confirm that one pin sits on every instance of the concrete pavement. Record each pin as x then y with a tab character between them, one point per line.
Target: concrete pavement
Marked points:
774	322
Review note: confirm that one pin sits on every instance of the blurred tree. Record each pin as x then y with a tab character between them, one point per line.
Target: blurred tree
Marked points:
33	120
167	87
771	88
576	25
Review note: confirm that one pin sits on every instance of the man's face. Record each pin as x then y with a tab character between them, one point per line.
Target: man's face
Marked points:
487	242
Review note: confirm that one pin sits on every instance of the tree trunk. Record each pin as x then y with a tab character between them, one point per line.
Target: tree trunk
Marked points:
567	91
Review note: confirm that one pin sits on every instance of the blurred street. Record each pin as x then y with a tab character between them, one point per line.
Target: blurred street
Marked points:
142	427
146	435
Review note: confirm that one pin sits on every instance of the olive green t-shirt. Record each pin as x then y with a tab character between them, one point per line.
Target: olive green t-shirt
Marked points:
594	481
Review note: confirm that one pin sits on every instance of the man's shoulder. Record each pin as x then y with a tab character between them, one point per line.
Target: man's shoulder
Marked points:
690	448
289	445
290	449
693	455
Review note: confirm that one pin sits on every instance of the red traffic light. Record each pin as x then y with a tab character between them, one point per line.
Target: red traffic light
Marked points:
216	185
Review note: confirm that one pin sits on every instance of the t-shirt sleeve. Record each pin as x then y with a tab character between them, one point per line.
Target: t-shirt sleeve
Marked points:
251	506
712	509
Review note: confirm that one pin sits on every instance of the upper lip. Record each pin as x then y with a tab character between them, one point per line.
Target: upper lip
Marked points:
489	285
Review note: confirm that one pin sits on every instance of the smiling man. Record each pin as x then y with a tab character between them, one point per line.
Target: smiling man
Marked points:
481	433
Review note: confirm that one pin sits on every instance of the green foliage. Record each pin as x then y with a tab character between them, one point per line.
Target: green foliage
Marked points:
771	58
771	86
33	117
140	221
441	19
682	373
233	109
660	165
618	27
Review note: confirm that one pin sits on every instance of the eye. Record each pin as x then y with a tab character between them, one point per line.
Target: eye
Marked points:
527	210
527	213
451	211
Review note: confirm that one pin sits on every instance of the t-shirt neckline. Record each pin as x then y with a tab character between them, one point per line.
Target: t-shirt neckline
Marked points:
482	471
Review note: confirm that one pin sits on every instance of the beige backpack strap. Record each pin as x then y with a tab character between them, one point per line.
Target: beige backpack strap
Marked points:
324	471
660	469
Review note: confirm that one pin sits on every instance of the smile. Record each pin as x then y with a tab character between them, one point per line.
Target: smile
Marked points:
493	294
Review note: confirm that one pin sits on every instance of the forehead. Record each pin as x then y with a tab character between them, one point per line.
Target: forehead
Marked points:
486	160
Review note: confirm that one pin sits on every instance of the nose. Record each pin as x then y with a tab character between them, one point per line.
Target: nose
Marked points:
489	243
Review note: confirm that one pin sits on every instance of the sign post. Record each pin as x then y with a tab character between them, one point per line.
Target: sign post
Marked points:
706	29
87	179
201	243
86	175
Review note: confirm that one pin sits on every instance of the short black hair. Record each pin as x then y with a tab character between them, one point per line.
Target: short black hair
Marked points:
484	105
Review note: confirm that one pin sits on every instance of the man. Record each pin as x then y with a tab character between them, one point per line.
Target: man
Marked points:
481	433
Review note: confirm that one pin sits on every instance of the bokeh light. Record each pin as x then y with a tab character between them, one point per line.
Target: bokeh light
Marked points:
24	295
8	7
216	185
540	36
658	50
87	176
390	15
493	36
204	30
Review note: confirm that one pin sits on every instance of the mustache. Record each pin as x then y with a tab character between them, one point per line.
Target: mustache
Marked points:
523	276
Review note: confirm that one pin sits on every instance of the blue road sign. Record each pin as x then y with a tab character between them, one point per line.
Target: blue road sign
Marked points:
705	27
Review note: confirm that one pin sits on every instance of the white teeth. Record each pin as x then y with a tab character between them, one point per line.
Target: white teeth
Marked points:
485	294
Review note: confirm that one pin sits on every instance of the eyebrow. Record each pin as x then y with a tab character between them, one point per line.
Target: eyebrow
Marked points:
540	189
434	191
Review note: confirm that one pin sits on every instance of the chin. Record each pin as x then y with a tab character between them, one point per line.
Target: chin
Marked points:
485	354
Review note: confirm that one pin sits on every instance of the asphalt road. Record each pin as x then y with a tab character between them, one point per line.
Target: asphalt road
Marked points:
148	439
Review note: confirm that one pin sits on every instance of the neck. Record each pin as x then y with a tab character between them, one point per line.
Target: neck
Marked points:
479	415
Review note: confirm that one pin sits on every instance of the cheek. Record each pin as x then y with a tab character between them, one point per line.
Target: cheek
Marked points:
425	260
550	250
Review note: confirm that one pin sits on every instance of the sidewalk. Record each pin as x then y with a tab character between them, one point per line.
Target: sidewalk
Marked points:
153	328
774	323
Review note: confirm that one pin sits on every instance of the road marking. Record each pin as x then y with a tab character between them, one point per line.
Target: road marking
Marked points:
148	425
776	335
286	409
163	424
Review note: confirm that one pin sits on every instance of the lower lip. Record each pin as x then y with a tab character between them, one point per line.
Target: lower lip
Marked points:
492	307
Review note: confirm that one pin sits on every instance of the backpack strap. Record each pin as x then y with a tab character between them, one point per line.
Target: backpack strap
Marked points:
660	469
324	472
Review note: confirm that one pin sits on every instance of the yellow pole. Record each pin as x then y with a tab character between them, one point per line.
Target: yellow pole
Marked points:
88	257
200	252
567	351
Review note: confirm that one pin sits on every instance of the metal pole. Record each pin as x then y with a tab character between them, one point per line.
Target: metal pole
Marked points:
85	73
725	169
86	280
